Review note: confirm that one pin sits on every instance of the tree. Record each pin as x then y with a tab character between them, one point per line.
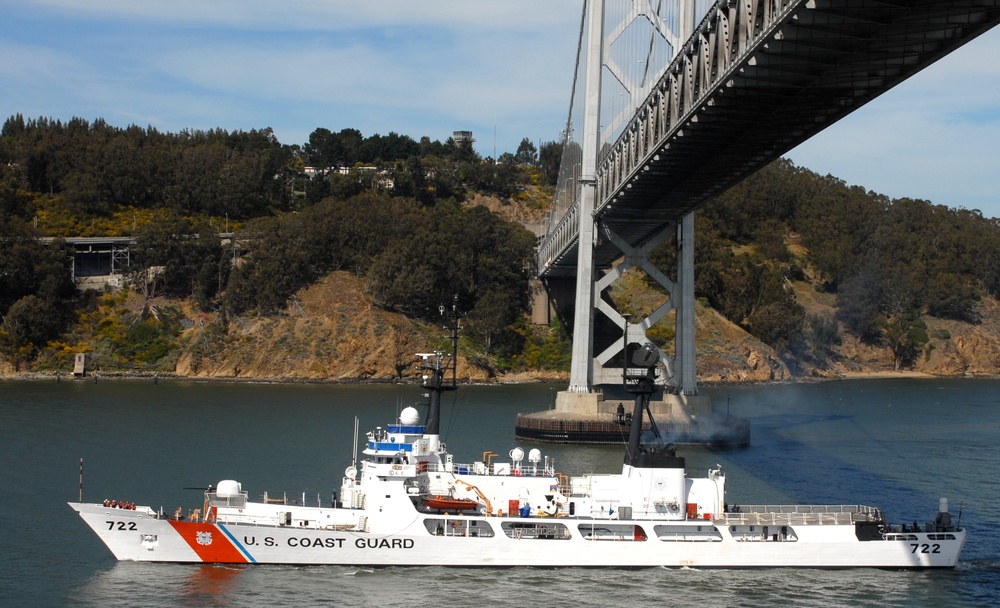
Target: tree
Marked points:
822	334
30	267
952	296
379	149
173	257
905	334
526	154
327	149
549	158
839	226
28	325
859	305
778	322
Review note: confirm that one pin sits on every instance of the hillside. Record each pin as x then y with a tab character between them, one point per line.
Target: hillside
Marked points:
728	354
332	332
329	331
339	276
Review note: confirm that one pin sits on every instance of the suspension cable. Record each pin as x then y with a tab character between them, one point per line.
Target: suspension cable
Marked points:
576	72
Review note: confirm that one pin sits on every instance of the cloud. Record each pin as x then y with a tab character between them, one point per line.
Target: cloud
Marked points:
323	15
431	67
372	66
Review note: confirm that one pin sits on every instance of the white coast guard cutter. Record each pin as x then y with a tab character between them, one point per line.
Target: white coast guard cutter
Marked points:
410	503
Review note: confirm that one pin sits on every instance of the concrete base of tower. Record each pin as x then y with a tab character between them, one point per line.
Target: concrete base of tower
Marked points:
589	418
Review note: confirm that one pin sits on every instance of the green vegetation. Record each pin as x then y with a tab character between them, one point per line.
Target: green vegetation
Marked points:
414	259
889	262
393	211
387	208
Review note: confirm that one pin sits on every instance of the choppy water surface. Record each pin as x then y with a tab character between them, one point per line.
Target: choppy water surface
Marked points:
896	444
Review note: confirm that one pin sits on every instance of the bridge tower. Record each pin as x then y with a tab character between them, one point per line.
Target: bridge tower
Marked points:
588	372
751	81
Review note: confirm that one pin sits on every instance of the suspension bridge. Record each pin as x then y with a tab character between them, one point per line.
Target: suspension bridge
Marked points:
676	101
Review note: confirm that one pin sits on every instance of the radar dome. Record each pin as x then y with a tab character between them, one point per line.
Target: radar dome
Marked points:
409	416
534	455
228	488
517	454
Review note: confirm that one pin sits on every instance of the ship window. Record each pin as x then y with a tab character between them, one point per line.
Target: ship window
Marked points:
687	533
531	529
458	526
605	531
760	534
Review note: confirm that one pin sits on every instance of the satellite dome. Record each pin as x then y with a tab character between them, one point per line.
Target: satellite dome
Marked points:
228	488
409	416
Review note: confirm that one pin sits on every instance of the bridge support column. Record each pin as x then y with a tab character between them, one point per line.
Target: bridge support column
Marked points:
684	343
581	367
580	392
684	357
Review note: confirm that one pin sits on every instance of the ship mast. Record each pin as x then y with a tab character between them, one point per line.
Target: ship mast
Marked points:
642	383
435	381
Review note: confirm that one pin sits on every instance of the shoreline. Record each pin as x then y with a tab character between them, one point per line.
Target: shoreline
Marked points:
890	374
131	376
520	378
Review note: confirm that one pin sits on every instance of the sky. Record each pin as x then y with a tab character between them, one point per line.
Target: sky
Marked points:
501	69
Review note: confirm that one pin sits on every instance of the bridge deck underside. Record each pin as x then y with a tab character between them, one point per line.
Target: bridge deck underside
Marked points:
818	65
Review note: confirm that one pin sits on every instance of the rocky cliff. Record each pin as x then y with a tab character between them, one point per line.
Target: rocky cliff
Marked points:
332	332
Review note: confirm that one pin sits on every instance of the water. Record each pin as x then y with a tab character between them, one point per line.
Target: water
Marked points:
896	444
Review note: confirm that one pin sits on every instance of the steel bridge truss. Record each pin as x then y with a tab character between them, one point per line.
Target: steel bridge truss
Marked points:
635	257
755	79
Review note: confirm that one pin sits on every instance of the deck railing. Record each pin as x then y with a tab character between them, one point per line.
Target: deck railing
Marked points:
799	514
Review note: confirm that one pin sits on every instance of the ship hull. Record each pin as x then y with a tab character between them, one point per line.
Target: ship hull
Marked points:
139	535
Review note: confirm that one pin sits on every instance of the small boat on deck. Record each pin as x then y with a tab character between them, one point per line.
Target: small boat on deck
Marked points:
447	503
